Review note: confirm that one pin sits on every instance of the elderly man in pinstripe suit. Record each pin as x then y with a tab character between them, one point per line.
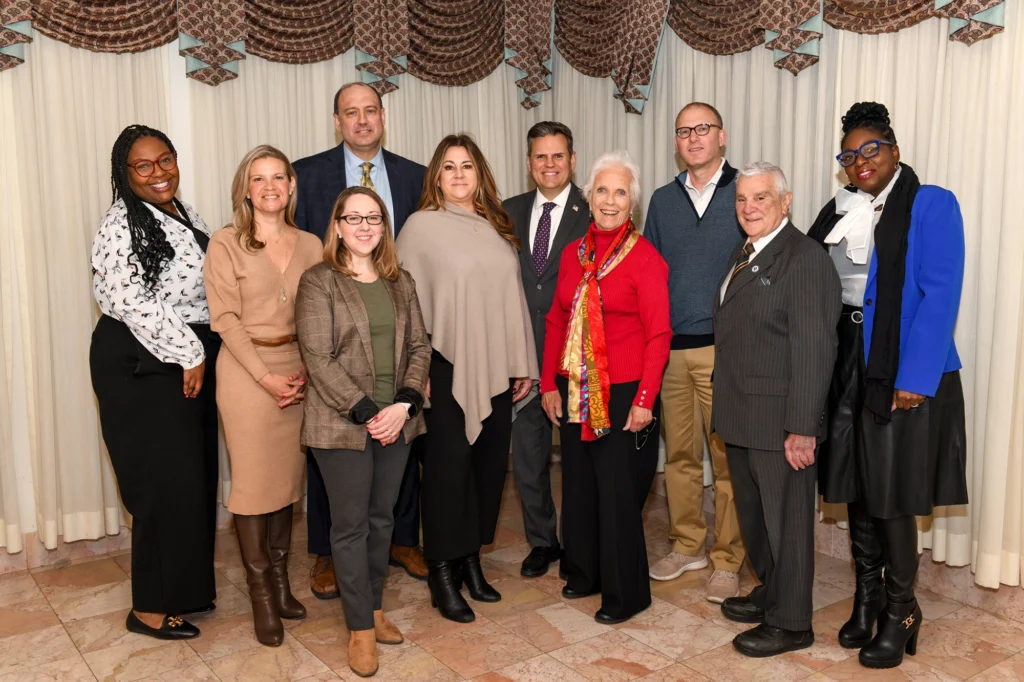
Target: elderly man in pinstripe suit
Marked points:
775	339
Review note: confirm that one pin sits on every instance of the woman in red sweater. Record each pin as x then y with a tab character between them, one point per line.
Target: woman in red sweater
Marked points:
607	342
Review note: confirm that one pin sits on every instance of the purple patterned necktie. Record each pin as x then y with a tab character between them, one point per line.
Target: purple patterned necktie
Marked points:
540	241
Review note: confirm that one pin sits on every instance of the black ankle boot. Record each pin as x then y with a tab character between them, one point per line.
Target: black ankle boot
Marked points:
899	626
869	599
444	595
479	590
897	634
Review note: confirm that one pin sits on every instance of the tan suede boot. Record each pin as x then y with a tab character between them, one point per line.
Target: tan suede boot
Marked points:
362	652
386	631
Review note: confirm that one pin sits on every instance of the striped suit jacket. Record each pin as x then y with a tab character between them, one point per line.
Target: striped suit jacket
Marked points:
775	344
334	337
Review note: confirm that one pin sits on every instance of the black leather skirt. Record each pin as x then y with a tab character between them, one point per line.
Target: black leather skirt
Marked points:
907	467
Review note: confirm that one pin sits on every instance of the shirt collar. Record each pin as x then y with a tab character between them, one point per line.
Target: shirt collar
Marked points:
711	183
561	200
353	162
763	241
880	199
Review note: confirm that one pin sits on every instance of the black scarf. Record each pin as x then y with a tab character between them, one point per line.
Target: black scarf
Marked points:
891	251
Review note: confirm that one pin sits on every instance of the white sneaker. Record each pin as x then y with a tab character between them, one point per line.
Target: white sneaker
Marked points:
675	564
723	584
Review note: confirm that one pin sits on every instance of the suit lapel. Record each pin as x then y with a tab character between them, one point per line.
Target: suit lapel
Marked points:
761	263
357	311
575	210
336	180
400	314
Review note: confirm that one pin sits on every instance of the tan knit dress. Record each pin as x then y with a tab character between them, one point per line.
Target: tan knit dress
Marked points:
250	298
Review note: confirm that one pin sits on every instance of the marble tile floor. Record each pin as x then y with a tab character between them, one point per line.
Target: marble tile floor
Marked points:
67	624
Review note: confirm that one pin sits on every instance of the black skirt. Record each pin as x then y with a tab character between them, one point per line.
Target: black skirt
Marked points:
907	467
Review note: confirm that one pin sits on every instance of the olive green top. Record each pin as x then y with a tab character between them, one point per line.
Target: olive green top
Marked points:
381	313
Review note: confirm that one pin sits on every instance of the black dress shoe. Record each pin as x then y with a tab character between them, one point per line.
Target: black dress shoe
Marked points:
570	593
209	608
537	561
605	619
766	640
741	610
173	627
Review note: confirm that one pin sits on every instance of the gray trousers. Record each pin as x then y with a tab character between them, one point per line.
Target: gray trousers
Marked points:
775	506
362	486
531	455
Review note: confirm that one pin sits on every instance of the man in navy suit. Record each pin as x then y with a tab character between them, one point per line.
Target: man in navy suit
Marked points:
359	160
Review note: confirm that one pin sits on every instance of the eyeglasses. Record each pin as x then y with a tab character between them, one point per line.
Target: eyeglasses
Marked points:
355	219
701	129
868	150
644	433
145	167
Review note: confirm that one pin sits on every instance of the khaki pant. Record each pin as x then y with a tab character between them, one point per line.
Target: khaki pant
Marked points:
688	377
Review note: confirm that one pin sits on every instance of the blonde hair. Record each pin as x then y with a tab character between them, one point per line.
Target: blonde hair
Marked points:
244	218
486	203
385	257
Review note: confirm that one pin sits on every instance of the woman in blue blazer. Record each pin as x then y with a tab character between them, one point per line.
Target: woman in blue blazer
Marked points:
897	442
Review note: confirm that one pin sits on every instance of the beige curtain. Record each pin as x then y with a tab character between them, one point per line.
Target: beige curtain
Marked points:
953	109
61	113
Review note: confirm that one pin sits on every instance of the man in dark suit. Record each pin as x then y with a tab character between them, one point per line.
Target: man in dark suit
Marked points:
359	160
775	336
545	220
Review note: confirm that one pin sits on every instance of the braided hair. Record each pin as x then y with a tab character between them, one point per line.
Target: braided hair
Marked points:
149	241
869	115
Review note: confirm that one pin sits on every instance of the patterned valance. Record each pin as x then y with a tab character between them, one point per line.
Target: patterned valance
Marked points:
458	42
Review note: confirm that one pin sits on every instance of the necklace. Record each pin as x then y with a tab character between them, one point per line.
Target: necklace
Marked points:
284	295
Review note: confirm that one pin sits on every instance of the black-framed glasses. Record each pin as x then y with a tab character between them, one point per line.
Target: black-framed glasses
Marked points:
355	219
701	129
868	150
643	434
145	167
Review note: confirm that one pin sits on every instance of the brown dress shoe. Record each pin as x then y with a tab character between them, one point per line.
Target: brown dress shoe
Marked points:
322	581
411	559
385	630
362	652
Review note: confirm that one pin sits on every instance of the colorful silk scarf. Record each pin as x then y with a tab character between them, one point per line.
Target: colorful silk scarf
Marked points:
585	353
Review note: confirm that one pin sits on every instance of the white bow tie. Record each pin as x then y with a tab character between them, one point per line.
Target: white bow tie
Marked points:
856	224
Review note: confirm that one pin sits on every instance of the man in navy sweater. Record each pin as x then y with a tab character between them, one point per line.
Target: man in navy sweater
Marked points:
692	222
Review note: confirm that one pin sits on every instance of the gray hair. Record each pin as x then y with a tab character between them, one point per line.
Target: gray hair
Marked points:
752	170
619	158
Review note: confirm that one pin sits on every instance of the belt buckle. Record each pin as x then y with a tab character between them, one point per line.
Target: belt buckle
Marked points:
857	317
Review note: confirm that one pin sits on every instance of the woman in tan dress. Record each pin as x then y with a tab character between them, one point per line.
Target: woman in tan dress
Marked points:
252	273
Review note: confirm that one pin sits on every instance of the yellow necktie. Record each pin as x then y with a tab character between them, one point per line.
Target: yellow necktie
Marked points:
367	181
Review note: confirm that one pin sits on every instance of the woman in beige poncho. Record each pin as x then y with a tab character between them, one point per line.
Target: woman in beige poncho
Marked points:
462	252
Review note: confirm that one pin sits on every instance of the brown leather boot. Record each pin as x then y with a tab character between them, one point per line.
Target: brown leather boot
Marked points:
323	583
280	532
362	652
254	544
411	559
386	631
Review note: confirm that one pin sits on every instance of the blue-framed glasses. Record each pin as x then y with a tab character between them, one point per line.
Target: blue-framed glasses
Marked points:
868	150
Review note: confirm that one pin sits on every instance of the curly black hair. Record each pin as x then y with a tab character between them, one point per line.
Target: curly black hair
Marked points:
149	241
870	115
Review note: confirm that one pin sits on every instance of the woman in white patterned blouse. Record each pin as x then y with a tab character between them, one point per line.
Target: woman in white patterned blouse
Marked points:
152	360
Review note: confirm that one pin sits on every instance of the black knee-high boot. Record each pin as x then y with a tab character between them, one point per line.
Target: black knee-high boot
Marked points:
898	629
869	560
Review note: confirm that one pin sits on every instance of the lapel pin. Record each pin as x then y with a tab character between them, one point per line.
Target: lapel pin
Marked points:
575	207
755	269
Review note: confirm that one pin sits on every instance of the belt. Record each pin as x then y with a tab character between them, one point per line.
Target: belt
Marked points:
855	314
273	343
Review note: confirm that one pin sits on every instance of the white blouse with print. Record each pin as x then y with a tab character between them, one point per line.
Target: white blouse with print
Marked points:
159	319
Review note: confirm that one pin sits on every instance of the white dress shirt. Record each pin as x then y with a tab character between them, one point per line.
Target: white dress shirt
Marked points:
158	319
759	246
852	241
556	216
702	199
